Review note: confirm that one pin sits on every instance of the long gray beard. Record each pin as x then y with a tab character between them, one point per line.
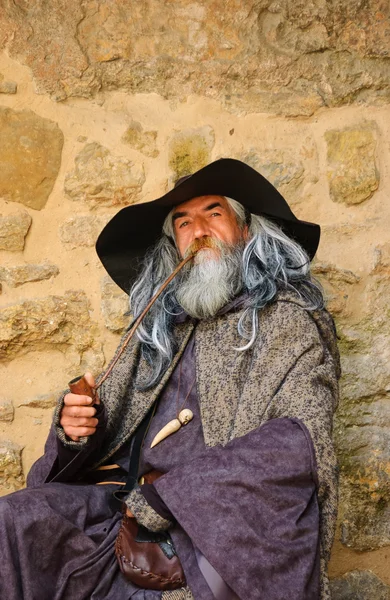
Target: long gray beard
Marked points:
211	283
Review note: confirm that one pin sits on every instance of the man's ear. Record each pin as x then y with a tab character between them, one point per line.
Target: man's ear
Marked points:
245	233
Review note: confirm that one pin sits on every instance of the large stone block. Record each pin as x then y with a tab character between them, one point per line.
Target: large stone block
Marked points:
337	283
101	179
365	363
30	157
282	169
43	323
13	230
376	299
353	175
42	401
92	359
143	141
114	306
15	276
362	426
190	150
82	230
291	165
359	585
46	42
11	474
362	435
362	28
279	57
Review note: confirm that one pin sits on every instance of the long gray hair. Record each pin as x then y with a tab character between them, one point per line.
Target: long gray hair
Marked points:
271	262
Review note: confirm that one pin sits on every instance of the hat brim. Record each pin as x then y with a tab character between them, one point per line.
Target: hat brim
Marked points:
122	244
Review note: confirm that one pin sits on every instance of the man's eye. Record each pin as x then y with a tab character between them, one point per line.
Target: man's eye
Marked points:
183	224
215	214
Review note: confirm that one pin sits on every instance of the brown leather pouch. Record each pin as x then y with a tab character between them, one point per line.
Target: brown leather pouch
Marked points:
146	558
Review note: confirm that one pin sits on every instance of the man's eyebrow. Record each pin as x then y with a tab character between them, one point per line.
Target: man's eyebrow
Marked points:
214	205
183	213
178	215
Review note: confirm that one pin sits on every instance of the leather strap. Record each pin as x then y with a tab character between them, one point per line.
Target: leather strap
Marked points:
139	436
135	452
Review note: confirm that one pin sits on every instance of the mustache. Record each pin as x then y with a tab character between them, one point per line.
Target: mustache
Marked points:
201	244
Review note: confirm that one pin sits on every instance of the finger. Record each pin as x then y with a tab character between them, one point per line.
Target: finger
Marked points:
74	438
77	400
79	411
79	431
91	381
78	422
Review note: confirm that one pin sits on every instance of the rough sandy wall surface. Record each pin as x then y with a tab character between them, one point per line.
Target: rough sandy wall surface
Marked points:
106	103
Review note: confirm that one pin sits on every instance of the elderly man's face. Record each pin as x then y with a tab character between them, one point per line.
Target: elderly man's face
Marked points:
205	216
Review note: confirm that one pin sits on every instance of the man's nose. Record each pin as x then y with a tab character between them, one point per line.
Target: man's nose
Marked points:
201	228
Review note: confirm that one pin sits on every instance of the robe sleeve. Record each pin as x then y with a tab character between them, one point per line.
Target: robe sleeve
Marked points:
62	462
251	509
145	514
64	439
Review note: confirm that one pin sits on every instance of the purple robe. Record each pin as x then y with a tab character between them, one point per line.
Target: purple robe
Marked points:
249	507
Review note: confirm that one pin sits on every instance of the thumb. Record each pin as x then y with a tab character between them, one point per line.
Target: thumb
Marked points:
91	381
90	378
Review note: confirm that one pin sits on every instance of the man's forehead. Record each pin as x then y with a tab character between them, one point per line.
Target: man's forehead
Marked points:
200	202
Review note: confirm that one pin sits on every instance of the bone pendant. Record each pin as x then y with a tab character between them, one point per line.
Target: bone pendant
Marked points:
185	416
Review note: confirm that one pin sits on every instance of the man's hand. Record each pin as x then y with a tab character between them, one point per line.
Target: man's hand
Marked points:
78	416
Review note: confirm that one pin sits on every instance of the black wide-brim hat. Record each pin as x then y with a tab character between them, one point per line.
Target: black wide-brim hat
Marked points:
124	241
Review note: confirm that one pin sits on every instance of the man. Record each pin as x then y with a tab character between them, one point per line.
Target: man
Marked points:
240	338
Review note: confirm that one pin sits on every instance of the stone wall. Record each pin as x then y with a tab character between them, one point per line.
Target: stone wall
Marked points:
104	103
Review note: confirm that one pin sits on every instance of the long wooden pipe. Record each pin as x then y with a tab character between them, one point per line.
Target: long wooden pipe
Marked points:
79	385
